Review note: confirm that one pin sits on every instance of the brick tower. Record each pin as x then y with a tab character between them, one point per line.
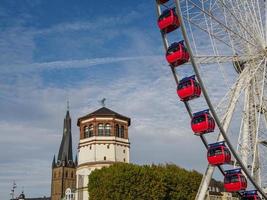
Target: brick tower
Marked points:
64	167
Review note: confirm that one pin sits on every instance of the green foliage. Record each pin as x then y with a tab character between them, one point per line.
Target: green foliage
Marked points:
133	182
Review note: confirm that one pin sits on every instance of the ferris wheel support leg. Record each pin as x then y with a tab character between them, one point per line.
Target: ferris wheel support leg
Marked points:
205	182
205	94
245	130
259	88
203	188
265	24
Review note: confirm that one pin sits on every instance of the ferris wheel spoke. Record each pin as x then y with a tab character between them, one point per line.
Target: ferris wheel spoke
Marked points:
245	16
237	19
221	38
210	59
235	90
215	26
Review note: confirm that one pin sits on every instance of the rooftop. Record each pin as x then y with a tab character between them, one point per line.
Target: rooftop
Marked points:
104	112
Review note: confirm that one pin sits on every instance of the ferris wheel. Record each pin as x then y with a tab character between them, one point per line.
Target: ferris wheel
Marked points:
225	42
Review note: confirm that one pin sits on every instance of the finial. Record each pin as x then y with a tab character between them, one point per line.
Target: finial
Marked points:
14	186
103	102
68	105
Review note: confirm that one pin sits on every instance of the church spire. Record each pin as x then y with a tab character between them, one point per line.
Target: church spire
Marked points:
65	150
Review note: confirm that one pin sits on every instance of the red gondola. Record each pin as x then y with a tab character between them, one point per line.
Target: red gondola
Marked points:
234	180
168	21
188	88
218	154
202	122
162	1
250	195
177	54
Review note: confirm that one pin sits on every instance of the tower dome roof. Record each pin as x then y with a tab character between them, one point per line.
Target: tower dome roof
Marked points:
104	112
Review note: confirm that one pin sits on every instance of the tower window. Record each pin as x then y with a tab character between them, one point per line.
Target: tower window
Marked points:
107	129
86	132
124	160
117	130
124	151
91	130
122	132
108	146
71	174
100	129
105	158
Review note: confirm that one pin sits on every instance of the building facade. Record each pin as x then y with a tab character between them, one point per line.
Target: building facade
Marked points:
64	167
216	191
103	141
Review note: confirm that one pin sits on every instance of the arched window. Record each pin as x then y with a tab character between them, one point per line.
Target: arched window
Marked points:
66	174
71	174
122	132
86	132
100	129
91	130
107	129
117	131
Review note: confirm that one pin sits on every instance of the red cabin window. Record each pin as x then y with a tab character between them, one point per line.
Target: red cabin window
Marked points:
202	123
162	1
177	54
250	195
188	89
234	181
168	21
218	154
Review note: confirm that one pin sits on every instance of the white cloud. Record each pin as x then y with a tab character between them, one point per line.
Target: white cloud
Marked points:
67	64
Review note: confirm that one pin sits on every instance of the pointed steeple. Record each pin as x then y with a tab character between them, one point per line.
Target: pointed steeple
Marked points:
65	150
54	162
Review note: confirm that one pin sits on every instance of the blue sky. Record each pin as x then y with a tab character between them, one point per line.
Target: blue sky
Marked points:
51	51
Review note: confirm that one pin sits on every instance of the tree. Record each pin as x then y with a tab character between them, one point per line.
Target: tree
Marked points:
132	182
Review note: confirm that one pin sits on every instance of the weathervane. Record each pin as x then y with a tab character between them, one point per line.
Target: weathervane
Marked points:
103	102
